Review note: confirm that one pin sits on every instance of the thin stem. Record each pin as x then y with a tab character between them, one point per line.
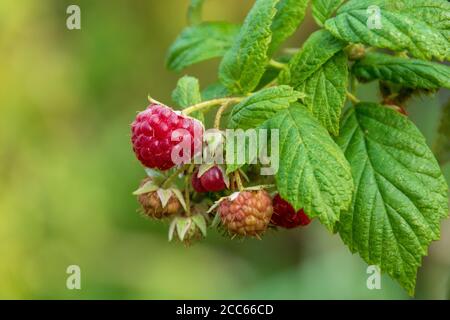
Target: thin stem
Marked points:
219	115
150	99
187	198
238	180
277	65
271	83
210	103
291	51
352	98
170	179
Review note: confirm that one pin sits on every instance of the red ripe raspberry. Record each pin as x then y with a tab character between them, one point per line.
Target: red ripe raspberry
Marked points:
248	214
210	181
285	216
196	183
152	136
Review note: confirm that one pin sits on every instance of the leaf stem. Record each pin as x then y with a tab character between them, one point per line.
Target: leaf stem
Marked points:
352	98
237	177
277	65
187	198
210	103
169	180
219	113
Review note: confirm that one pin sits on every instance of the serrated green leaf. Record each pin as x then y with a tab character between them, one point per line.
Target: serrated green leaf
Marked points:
405	25
194	14
262	105
290	14
324	9
187	93
442	143
320	71
214	91
200	222
243	65
320	47
201	42
411	73
400	193
326	92
313	173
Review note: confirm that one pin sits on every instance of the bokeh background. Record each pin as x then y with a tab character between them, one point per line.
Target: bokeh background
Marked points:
67	170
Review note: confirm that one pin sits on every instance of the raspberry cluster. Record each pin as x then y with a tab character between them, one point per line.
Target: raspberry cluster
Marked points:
156	133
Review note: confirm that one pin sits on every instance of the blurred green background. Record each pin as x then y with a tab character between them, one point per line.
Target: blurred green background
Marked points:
67	170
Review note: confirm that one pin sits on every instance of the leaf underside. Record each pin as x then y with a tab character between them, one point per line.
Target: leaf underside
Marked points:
411	73
201	42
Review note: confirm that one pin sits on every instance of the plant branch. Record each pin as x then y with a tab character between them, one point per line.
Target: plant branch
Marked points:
170	179
352	98
210	103
238	180
277	65
219	115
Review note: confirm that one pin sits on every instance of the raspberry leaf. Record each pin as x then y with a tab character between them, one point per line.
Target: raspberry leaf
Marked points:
400	195
262	105
290	14
313	173
320	71
214	91
419	26
411	73
324	9
194	15
326	92
187	93
320	47
201	42
244	64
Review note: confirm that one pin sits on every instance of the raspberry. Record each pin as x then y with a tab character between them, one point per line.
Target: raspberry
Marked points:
153	207
196	183
152	136
210	181
247	214
285	216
